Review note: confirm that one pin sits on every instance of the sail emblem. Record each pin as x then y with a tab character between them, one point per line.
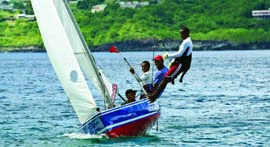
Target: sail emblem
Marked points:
73	76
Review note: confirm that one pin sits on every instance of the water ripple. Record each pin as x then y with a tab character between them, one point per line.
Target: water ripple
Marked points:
223	101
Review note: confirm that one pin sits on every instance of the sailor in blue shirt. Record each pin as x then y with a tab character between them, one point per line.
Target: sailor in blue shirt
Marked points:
162	70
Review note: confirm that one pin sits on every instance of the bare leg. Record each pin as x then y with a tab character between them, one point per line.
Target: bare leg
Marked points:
184	72
160	88
182	76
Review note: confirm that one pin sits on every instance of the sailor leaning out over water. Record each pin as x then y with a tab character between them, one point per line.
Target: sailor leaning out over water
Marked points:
181	63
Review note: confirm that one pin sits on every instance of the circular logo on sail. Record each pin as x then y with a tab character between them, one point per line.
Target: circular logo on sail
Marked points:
73	76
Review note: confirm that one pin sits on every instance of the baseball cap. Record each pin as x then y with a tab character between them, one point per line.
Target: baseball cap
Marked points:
130	91
158	57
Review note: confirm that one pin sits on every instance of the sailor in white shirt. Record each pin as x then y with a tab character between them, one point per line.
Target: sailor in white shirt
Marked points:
146	77
182	59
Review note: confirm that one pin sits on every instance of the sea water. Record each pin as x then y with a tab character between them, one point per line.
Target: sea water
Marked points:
224	100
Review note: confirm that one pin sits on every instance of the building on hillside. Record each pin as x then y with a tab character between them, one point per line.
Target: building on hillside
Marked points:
5	5
98	8
134	4
261	14
73	1
24	16
144	3
4	1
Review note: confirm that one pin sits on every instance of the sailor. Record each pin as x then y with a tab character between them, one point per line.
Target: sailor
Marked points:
131	96
146	77
159	75
162	70
180	64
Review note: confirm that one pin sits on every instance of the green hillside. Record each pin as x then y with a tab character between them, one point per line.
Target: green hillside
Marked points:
224	20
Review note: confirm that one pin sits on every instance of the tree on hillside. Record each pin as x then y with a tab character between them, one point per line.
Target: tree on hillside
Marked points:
17	4
29	9
82	4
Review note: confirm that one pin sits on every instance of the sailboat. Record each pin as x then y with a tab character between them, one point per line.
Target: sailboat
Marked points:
73	63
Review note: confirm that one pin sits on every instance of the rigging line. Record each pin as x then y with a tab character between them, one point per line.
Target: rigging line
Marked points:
89	55
78	53
166	48
163	45
121	97
154	47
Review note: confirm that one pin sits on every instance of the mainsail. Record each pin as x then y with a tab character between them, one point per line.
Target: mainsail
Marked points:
69	54
81	51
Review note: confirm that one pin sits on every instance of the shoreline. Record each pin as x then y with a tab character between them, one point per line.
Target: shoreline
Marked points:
161	45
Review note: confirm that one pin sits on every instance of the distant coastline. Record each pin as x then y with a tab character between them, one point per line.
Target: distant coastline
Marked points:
172	45
161	45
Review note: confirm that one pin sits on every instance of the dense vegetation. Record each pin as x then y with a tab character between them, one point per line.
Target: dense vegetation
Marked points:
228	20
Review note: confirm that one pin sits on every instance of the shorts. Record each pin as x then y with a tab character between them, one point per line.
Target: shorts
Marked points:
174	71
149	88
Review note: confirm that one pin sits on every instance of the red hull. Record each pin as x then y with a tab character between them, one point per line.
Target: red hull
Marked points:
138	127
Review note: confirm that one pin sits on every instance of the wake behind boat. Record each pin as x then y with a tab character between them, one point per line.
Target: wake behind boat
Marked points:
74	63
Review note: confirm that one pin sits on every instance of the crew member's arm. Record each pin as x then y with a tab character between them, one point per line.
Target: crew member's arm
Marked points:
180	52
157	80
132	71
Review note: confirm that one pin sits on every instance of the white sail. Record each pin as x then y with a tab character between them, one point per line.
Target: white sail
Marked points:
81	51
61	53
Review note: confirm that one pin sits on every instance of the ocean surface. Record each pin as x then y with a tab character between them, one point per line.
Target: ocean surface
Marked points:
223	101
